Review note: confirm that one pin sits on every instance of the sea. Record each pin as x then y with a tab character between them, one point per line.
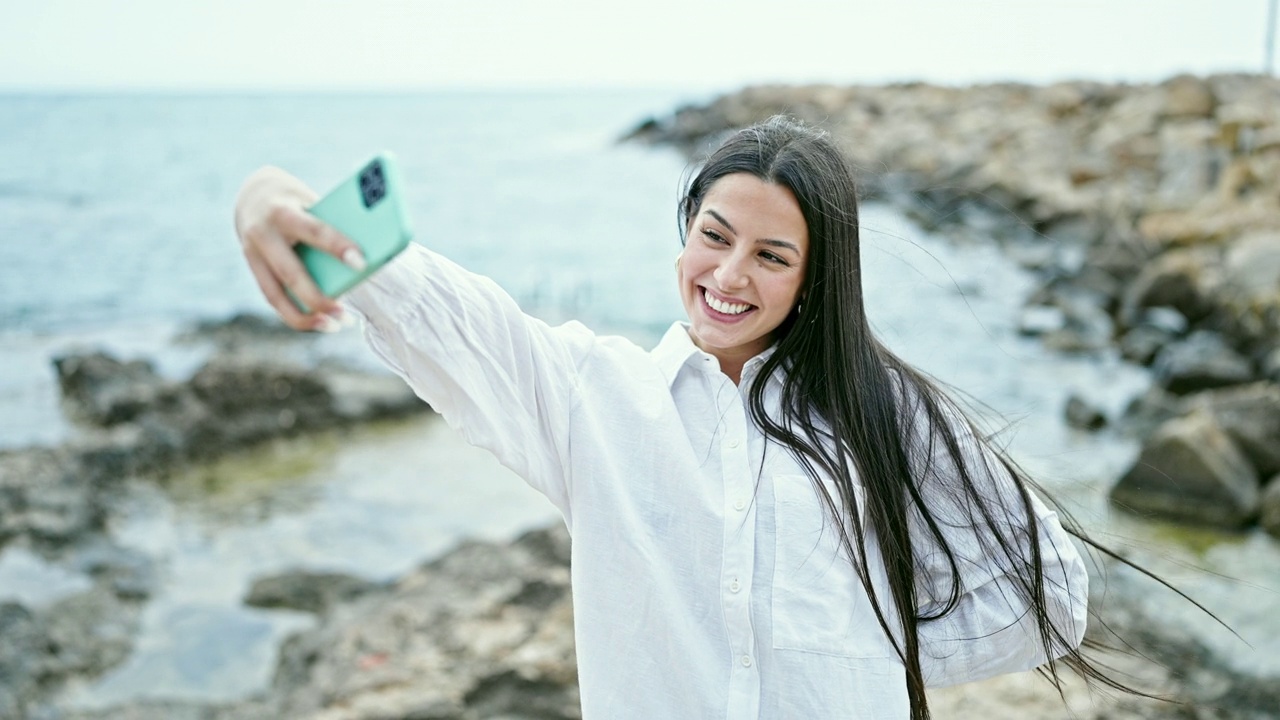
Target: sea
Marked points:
116	234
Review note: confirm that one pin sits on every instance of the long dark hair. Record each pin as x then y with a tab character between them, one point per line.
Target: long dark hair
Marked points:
851	406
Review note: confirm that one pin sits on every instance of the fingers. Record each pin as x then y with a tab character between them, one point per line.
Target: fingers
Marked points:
274	292
288	271
302	226
269	250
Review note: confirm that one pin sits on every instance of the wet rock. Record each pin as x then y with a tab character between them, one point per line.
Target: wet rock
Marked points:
1201	361
1177	279
105	391
1250	414
1270	365
87	634
21	650
48	496
1141	344
77	638
233	401
1190	470
128	573
1080	414
1270	520
313	592
486	631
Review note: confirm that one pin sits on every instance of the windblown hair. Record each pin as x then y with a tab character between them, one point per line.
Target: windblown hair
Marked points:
858	414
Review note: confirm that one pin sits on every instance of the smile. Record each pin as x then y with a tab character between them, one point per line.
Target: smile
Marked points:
724	307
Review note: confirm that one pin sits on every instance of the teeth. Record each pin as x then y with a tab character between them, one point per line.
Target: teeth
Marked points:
726	308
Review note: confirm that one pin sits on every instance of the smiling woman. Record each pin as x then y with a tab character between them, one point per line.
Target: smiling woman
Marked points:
773	516
740	277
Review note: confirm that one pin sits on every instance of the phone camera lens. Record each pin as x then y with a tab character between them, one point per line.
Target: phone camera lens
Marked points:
373	184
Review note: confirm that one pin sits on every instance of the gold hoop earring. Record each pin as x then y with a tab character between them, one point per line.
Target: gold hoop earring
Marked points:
678	260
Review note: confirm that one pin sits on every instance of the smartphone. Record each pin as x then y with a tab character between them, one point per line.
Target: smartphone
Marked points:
368	208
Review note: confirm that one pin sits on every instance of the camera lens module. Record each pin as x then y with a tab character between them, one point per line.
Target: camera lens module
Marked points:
373	184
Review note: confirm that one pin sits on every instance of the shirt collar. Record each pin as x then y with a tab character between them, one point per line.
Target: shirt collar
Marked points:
676	349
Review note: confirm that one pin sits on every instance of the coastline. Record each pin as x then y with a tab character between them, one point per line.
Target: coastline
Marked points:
520	657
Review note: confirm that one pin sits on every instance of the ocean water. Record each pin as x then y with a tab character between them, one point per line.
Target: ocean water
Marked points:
115	212
115	232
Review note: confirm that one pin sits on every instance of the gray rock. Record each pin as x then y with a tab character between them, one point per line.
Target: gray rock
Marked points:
128	573
1150	410
105	391
1201	361
233	401
48	496
1176	279
1141	344
21	650
1080	414
80	637
1250	414
1190	470
1270	519
313	592
485	631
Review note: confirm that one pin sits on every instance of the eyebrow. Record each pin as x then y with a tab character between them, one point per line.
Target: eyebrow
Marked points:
766	241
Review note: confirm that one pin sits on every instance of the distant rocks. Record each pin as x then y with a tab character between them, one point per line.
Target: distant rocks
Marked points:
306	591
1150	213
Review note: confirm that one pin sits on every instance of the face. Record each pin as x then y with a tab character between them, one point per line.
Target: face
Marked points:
742	266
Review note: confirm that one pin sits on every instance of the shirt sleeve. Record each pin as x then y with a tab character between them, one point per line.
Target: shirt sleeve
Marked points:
506	381
990	630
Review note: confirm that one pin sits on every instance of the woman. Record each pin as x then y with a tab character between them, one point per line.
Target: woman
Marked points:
772	515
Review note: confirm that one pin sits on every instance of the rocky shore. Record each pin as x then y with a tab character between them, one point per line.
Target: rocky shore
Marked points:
134	425
1151	213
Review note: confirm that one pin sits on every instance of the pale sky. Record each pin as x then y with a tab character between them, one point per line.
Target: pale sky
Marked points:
58	45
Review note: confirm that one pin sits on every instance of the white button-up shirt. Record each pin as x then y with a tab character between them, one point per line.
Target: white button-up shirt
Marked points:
707	579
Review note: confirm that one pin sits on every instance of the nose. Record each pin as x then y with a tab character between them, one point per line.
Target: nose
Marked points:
732	271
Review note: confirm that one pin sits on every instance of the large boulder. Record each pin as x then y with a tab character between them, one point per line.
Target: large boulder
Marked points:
1200	361
1250	414
1190	470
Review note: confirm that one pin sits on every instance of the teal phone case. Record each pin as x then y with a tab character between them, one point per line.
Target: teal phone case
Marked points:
381	228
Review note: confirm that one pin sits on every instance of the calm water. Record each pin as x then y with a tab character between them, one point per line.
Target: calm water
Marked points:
115	232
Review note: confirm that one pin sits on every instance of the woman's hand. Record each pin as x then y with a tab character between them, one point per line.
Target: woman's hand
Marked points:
271	218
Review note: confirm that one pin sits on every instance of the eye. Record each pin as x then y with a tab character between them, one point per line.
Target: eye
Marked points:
713	236
774	258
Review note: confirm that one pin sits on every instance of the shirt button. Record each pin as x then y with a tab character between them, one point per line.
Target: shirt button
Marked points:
746	661
740	504
733	443
735	586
